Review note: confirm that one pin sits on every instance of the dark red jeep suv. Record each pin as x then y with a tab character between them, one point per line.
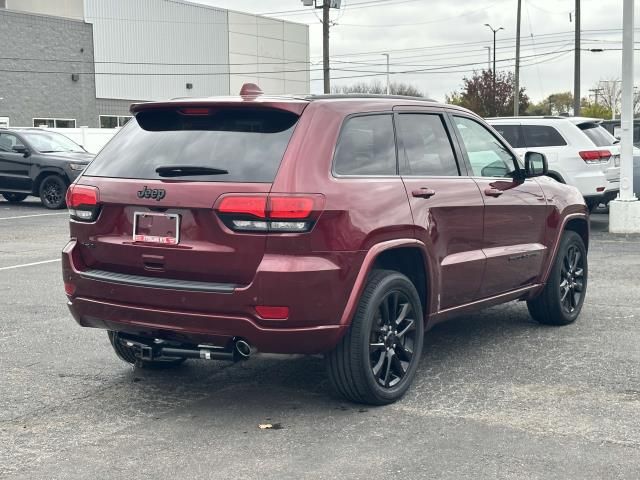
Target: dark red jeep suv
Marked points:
341	225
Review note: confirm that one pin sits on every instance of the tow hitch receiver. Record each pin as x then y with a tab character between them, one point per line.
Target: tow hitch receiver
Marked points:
147	349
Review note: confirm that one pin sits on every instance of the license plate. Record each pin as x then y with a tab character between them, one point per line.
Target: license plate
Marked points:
163	228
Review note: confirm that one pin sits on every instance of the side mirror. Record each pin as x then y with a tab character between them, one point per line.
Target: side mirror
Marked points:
21	149
535	164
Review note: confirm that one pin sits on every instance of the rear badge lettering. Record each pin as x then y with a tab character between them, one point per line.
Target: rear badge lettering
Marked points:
155	193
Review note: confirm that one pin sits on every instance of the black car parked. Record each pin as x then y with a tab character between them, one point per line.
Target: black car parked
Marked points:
40	163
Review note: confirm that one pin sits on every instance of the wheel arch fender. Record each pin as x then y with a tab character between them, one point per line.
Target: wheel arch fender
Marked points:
379	255
44	173
576	222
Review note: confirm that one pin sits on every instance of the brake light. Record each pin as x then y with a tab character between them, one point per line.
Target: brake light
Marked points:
255	206
83	202
270	213
290	207
595	156
195	112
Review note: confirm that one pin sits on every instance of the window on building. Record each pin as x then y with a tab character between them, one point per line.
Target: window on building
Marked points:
55	122
366	147
113	121
542	136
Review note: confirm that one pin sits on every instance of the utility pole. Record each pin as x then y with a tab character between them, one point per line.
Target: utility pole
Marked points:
493	72
516	93
576	66
488	58
388	84
325	46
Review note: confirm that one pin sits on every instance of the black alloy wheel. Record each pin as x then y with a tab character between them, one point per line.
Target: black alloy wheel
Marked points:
52	192
572	279
561	300
377	359
392	339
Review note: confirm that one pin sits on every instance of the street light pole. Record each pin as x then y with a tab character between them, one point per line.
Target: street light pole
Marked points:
493	72
516	93
325	46
388	84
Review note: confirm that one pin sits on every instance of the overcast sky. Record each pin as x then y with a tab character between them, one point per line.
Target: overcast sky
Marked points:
419	34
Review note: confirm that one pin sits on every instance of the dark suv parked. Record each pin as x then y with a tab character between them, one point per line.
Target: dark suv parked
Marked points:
40	163
324	224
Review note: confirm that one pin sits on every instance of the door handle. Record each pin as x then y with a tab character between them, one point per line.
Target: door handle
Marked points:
492	192
423	192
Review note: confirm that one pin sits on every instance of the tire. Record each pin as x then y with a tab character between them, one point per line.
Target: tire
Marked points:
52	191
561	300
127	354
371	364
592	205
14	197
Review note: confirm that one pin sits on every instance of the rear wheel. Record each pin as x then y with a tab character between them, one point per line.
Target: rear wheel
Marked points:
52	191
376	360
563	296
14	197
127	354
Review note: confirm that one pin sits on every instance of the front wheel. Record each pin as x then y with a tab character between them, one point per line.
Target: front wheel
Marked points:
376	360
561	300
52	191
14	197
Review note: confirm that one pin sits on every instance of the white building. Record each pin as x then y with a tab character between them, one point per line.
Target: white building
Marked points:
160	49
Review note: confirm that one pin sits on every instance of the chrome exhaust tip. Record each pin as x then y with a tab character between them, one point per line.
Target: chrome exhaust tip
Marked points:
242	349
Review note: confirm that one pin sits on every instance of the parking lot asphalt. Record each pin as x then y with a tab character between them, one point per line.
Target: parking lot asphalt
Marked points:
497	396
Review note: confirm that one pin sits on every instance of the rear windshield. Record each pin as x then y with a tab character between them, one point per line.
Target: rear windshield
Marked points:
597	134
238	145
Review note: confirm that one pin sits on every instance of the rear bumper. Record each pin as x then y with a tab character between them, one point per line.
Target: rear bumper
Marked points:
315	288
591	183
199	328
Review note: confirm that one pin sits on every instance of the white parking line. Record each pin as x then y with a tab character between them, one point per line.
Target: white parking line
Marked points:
29	264
34	215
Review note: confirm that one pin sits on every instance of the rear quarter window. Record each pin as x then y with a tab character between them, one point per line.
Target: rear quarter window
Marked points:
248	144
366	146
542	136
511	133
597	134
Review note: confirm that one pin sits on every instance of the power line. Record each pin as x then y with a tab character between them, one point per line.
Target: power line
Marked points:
460	44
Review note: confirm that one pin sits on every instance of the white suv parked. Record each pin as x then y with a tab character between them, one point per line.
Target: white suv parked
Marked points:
580	152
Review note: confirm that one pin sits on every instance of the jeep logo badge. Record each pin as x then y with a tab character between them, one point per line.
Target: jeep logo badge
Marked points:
155	193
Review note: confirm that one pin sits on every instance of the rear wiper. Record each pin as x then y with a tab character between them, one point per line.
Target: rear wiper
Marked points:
616	142
188	170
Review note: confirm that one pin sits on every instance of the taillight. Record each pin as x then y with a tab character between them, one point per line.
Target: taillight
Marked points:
270	213
83	202
595	156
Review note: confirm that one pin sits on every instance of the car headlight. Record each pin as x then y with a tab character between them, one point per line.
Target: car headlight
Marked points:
78	167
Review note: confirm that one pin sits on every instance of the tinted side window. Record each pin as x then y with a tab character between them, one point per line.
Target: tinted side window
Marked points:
427	148
8	141
542	136
487	155
366	147
597	134
511	133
